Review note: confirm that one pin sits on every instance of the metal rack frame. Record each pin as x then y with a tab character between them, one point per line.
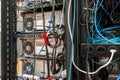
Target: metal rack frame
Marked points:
8	42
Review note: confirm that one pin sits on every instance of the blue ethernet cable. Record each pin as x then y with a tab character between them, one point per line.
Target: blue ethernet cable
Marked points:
96	27
98	37
104	8
109	28
72	49
98	31
102	30
118	78
100	63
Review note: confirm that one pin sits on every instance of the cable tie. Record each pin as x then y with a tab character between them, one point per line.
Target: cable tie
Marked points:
49	78
44	36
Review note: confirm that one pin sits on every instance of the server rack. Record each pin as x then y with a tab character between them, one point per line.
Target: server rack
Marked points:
81	41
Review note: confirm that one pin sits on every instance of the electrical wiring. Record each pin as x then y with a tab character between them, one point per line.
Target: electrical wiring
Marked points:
47	32
98	35
104	30
111	17
114	40
100	4
87	26
81	15
99	63
112	54
94	33
24	72
69	25
54	70
62	13
96	71
109	28
57	42
53	63
53	9
103	8
100	41
31	63
43	17
89	76
95	22
96	39
96	26
33	30
73	27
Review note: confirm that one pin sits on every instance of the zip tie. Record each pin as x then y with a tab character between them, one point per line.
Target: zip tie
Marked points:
49	78
44	36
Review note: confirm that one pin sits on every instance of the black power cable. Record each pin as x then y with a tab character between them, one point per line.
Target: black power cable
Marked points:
54	69
47	54
87	26
53	9
34	41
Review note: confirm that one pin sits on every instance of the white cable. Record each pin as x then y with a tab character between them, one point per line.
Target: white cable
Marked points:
112	54
89	76
62	13
69	27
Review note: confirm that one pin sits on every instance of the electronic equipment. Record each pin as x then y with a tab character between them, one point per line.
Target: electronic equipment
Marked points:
41	69
28	25
26	64
27	36
96	32
28	46
101	31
